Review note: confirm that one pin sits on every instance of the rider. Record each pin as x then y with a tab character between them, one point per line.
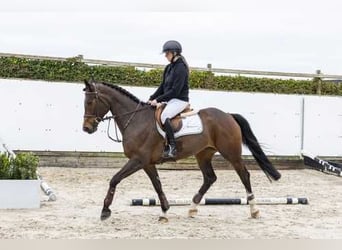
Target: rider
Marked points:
174	90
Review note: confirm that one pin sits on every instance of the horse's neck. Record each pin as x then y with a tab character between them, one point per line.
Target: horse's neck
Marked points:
121	106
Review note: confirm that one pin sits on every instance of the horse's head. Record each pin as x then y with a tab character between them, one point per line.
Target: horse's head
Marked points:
95	107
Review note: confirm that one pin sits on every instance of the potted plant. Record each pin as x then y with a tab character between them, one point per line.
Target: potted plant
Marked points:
19	185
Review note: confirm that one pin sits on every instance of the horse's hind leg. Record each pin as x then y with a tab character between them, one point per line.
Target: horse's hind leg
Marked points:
229	144
152	173
204	161
244	175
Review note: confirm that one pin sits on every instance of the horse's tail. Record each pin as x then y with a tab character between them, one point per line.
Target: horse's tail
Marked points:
249	139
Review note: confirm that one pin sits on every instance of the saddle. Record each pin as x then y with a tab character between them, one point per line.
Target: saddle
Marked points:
176	121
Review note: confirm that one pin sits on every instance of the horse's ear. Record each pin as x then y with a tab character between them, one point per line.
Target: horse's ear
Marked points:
87	85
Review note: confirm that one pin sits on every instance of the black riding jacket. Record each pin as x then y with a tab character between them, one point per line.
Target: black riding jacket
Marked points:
175	83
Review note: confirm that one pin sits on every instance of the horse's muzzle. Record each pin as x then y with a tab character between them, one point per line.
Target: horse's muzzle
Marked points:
89	129
90	125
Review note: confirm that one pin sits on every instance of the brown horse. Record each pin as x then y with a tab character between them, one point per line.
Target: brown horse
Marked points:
143	146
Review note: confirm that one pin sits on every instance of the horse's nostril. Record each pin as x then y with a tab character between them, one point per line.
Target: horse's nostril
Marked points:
86	129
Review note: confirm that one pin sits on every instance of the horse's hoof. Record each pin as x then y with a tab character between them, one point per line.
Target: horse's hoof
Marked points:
163	219
105	213
255	214
192	212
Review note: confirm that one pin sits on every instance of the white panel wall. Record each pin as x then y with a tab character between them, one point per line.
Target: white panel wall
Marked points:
38	115
266	114
41	115
323	125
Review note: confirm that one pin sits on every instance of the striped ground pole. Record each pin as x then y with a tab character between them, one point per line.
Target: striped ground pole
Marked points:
221	201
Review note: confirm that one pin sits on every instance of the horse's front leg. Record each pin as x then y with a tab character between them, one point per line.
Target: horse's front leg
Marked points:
152	173
130	167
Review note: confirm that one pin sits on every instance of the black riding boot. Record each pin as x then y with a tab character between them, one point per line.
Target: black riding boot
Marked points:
170	150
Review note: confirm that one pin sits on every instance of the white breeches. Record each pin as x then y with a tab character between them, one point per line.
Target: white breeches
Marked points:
173	107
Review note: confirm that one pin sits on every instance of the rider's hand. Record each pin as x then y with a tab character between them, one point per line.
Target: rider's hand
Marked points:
153	102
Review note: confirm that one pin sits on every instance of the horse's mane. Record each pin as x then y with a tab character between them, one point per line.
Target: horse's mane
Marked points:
124	92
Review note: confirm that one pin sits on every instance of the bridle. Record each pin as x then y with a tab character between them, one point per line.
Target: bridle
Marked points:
99	119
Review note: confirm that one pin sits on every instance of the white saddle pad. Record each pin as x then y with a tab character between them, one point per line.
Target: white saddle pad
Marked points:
191	125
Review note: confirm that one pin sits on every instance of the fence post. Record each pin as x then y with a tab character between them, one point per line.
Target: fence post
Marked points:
210	77
318	81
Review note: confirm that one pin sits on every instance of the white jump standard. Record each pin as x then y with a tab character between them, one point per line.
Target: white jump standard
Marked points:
316	163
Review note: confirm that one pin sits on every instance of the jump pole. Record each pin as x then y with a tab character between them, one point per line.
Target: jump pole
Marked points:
221	201
316	163
43	185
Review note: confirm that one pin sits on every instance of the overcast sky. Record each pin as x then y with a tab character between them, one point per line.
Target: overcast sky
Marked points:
291	35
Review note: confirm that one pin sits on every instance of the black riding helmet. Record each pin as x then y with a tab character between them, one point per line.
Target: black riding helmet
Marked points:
172	46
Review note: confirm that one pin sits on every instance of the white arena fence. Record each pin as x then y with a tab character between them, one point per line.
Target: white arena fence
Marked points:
47	116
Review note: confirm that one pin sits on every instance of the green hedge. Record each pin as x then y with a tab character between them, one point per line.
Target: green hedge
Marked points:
72	70
22	167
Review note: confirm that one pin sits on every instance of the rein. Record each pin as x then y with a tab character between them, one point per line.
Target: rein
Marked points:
109	118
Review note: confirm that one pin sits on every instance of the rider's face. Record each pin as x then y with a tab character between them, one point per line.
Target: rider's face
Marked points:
168	55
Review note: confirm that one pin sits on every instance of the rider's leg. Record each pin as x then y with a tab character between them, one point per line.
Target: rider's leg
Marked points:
173	107
170	150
